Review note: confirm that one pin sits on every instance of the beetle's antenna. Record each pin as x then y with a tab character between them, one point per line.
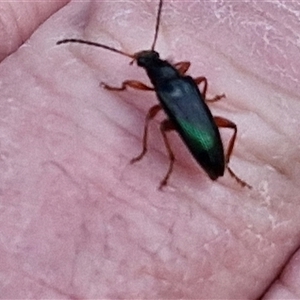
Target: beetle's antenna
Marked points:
157	23
96	45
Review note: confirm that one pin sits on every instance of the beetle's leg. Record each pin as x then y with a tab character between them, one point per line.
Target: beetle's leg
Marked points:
215	98
128	83
199	80
150	115
225	123
182	66
203	79
166	126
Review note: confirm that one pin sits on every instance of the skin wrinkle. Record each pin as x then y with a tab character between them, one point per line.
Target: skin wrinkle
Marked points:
16	26
222	224
280	273
5	26
275	129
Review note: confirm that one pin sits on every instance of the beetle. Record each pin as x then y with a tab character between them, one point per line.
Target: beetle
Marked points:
185	106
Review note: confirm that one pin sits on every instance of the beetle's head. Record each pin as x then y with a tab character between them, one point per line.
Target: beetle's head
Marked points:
145	58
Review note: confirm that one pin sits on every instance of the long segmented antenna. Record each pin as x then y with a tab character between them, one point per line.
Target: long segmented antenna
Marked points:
65	41
96	45
157	23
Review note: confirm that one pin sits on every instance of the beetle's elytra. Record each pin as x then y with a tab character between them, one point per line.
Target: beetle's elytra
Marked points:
185	107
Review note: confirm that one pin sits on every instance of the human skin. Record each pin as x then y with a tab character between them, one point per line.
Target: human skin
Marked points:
79	221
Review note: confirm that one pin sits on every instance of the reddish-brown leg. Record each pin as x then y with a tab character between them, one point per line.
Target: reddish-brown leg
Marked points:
166	126
215	98
225	123
199	80
203	79
128	83
182	66
150	115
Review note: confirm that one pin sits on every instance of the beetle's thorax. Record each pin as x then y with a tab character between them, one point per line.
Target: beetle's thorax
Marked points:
158	70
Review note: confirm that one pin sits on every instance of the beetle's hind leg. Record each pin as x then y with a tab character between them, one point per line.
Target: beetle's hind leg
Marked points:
128	83
225	123
150	115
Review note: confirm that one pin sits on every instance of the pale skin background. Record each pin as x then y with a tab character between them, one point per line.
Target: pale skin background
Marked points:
78	221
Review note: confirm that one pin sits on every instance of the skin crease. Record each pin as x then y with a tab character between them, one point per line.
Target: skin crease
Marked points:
79	221
16	26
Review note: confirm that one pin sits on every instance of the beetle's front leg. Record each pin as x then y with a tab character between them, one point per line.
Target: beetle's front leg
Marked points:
128	83
150	115
182	67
